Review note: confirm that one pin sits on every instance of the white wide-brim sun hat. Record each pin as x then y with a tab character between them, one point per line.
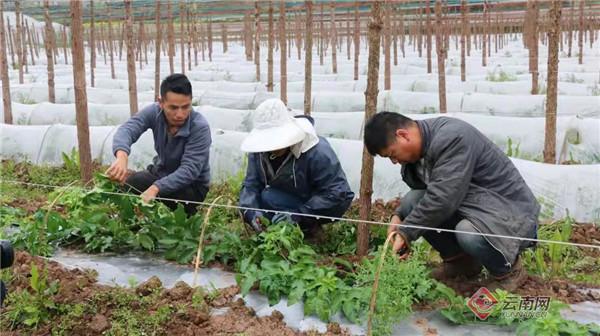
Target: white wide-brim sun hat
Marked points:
273	128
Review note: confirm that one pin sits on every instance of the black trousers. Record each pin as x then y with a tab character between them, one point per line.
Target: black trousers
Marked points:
140	181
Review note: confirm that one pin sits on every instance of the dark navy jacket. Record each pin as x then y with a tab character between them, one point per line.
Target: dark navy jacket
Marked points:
182	159
316	177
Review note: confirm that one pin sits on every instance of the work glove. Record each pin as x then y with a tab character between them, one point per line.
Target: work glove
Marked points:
283	217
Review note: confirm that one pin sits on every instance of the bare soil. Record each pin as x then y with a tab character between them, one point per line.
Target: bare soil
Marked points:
79	286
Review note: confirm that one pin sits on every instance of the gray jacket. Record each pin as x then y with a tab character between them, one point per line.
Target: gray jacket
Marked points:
470	175
182	159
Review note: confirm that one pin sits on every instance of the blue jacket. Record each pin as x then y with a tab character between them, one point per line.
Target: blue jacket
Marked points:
316	177
182	159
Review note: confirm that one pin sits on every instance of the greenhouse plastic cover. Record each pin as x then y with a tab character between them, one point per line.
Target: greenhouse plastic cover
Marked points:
561	187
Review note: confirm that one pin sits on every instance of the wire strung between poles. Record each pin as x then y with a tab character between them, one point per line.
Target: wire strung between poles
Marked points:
237	207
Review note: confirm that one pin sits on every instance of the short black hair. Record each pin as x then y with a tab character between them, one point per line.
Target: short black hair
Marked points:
380	130
177	83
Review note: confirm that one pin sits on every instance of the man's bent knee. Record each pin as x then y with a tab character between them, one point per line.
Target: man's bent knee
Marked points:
409	201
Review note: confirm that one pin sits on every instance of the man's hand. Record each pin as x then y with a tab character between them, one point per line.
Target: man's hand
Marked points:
118	170
150	194
394	224
258	222
399	246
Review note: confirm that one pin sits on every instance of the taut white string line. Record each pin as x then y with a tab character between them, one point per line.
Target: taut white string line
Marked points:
358	221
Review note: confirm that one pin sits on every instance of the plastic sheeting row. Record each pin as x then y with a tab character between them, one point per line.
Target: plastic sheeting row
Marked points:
577	138
559	187
394	101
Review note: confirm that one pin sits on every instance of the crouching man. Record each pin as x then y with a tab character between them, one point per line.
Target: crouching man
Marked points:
291	169
182	141
462	181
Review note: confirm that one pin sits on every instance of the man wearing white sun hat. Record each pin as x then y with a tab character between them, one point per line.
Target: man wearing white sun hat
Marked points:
291	169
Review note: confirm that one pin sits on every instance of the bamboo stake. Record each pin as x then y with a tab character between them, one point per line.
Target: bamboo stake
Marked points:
308	58
133	102
371	93
81	109
6	98
48	43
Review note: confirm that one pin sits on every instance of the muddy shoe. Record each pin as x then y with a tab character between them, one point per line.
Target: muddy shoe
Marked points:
461	265
511	280
314	234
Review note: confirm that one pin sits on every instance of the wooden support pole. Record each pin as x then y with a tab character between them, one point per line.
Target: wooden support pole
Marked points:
6	98
48	44
463	37
356	39
182	34
92	44
19	44
429	33
333	39
157	43
387	35
81	109
282	54
111	44
552	91
308	58
371	93
270	45
441	56
131	75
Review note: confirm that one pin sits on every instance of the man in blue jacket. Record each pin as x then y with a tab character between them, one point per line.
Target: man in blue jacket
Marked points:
181	140
291	169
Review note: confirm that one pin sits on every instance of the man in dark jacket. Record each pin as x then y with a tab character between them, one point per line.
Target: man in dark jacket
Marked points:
460	180
291	169
182	141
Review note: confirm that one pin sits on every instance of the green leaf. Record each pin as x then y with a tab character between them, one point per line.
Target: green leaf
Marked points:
168	242
146	242
297	292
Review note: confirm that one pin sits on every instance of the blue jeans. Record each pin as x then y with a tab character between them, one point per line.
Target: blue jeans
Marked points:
277	200
450	244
